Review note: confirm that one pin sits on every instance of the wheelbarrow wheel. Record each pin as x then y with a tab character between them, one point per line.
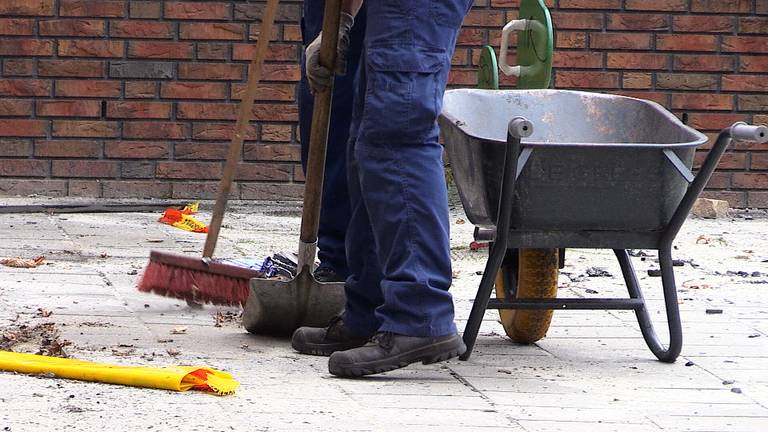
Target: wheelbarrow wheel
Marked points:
536	272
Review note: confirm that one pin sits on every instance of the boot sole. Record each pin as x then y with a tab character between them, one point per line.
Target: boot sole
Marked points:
402	360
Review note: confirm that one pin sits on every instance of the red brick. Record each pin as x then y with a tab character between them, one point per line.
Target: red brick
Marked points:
570	39
753	25
756	199
162	50
630	41
15	107
759	161
16	27
647	61
212	51
271	152
90	48
750	180
85	129
471	36
753	63
484	18
590	4
722	6
136	189
68	149
18	67
84	168
145	9
71	68
141	29
200	151
714	121
87	88
703	23
595	80
292	33
220	131
68	108
91	8
276	133
189	170
27	7
758	83
130	109
15	147
267	92
140	89
702	101
745	44
211	71
84	188
23	128
201	190
657	5
154	130
212	31
729	160
658	97
193	90
23	168
136	150
648	22
687	81
24	87
636	80
281	72
197	10
676	42
25	47
263	172
72	27
575	21
276	52
577	59
704	63
206	111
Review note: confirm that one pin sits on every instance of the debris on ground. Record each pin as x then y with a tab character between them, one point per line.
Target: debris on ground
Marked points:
654	273
598	272
698	284
707	208
714	311
179	330
222	317
183	219
42	339
173	352
43	313
23	263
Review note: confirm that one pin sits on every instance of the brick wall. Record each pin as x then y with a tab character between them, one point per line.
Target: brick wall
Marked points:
114	98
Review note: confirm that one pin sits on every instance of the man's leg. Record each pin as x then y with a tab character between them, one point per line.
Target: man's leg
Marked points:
335	212
408	51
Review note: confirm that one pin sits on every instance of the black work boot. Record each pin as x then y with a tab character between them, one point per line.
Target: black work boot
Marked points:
388	351
325	341
327	274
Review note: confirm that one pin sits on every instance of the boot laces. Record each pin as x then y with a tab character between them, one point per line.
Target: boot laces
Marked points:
383	339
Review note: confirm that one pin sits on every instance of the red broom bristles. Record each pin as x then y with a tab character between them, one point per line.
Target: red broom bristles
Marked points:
194	285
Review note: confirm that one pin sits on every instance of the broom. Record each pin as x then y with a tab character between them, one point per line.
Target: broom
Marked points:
205	280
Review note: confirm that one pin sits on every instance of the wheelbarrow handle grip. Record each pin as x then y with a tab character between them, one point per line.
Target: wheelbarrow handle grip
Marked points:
746	132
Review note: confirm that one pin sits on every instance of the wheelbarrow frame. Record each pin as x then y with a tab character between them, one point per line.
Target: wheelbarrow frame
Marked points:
516	156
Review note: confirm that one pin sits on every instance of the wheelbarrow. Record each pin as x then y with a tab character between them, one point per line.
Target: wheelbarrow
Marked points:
542	170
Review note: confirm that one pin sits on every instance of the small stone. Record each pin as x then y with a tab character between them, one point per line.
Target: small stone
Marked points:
479	272
728	382
690	363
678	263
754	335
591	291
133	272
714	311
598	272
736	390
710	209
654	272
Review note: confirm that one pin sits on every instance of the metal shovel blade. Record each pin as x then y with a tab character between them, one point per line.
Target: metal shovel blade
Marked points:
277	307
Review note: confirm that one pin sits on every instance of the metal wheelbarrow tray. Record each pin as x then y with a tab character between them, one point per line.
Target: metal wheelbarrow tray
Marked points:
557	169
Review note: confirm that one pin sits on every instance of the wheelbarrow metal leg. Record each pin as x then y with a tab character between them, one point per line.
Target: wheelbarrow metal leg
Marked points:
670	299
518	128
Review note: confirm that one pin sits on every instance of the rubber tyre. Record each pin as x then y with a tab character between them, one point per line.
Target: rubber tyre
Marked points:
537	271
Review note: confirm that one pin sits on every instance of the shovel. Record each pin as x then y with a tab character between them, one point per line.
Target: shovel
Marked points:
279	307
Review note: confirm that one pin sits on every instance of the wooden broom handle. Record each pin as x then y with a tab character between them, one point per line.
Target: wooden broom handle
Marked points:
243	119
318	138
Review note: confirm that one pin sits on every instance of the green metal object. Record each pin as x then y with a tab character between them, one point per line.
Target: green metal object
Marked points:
488	74
535	46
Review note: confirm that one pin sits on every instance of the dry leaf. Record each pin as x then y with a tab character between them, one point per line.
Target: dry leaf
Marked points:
179	330
43	313
460	221
22	263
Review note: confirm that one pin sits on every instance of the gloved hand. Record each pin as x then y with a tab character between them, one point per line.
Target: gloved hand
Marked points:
319	77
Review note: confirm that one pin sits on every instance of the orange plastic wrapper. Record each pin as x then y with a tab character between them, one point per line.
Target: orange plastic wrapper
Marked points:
183	219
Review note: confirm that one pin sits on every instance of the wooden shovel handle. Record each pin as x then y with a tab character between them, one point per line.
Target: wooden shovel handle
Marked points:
243	119
318	138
